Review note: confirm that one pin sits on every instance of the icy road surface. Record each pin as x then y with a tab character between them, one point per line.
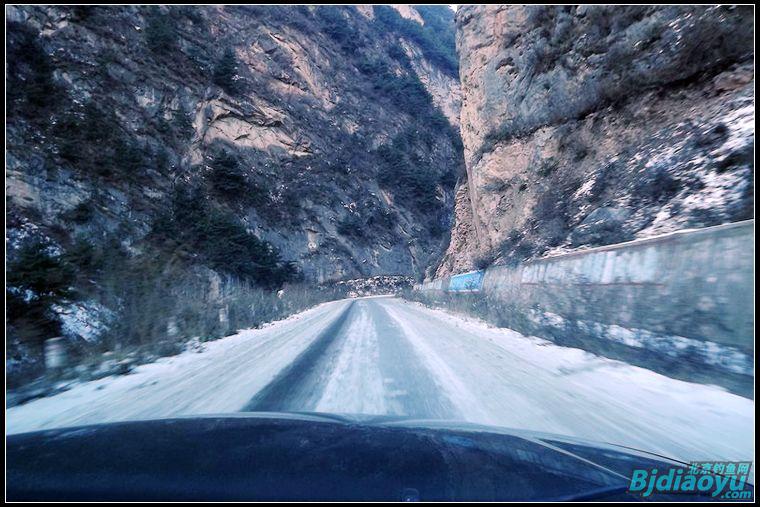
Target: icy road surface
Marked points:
388	356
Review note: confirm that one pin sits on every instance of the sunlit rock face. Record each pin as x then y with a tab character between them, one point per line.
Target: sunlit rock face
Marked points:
584	126
335	119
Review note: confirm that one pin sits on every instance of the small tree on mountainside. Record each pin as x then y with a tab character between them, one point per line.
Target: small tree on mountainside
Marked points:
31	89
225	71
160	33
226	176
36	282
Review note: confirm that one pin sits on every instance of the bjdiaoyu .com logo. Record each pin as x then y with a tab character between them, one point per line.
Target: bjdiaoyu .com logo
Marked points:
720	479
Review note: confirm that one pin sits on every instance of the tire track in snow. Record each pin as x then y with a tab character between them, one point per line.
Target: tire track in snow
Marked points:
279	393
355	385
373	369
448	383
411	387
363	363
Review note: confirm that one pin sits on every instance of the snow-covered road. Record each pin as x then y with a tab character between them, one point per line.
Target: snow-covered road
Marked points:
388	356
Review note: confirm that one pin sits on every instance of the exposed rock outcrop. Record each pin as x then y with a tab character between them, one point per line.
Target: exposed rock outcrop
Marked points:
310	99
575	115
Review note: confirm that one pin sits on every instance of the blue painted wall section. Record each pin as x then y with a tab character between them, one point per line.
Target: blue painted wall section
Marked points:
467	282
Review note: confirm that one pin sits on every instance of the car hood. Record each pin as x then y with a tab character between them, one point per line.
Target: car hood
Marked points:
298	456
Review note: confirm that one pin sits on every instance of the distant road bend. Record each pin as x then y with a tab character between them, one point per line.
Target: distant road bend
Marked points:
383	355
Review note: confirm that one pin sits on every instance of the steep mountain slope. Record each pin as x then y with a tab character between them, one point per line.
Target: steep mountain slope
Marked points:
267	144
592	125
309	97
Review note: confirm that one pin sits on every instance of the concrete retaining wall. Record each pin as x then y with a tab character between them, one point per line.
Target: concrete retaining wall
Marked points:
686	294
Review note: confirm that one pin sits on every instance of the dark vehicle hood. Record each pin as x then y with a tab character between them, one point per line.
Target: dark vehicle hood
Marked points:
263	456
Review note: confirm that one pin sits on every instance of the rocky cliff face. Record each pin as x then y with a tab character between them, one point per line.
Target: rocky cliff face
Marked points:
329	133
169	168
584	126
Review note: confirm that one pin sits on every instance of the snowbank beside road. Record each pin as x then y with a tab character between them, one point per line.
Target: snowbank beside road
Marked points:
221	378
529	383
